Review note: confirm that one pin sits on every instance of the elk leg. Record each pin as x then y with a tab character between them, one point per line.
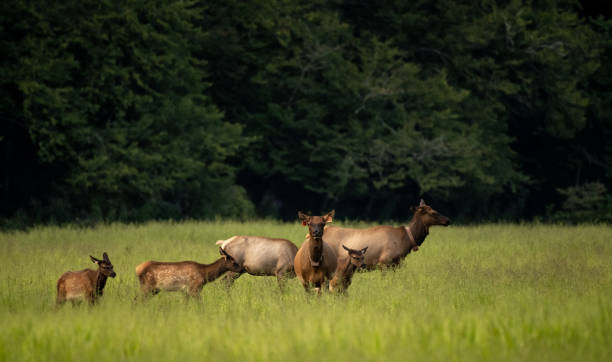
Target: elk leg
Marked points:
61	293
147	291
333	284
282	275
60	299
194	292
317	287
91	298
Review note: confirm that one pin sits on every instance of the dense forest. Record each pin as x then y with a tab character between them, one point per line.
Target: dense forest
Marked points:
132	110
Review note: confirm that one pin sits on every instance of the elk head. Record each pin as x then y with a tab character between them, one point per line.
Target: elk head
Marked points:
356	256
231	263
316	224
430	216
105	265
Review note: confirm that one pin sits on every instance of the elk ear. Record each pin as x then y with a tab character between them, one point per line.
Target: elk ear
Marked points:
94	259
105	257
329	217
303	218
345	248
422	203
364	250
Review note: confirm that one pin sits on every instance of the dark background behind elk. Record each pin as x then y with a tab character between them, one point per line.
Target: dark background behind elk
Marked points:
138	110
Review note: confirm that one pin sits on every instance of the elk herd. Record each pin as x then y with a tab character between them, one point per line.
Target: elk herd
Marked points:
328	258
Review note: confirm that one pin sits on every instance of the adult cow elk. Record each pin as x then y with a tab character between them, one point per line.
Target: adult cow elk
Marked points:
346	269
186	276
388	245
86	284
260	256
315	261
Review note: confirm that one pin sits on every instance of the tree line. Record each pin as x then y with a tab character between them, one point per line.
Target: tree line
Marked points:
131	110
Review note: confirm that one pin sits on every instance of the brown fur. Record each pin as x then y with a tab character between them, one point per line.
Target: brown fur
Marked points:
187	276
388	245
346	269
315	261
86	284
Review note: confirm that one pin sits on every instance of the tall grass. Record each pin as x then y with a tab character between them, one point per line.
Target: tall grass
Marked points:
492	292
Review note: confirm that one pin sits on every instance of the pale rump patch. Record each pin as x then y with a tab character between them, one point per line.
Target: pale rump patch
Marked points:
223	243
141	267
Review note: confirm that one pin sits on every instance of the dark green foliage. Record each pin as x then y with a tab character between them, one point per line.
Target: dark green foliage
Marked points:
115	99
133	110
585	203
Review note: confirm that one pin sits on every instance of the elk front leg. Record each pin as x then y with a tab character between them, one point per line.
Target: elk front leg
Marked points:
317	287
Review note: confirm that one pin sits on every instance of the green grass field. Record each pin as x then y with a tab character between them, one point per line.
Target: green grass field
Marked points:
493	292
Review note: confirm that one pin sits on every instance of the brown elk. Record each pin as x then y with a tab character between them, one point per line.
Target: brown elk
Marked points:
186	276
388	245
86	284
260	256
346	268
315	261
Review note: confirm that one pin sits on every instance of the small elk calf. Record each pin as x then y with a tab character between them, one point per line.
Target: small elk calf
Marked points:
346	268
186	276
85	284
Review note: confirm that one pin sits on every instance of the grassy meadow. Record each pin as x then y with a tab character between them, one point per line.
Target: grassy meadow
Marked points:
492	292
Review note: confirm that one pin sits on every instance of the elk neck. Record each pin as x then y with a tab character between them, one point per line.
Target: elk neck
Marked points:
214	270
100	282
418	229
348	270
315	250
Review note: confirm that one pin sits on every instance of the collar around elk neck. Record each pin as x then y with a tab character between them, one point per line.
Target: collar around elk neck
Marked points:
413	245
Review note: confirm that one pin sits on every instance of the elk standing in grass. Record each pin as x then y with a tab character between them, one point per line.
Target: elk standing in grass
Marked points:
186	276
388	245
86	284
346	268
315	261
260	256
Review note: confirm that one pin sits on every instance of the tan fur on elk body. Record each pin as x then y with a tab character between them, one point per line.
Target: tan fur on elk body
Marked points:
346	269
388	245
315	261
186	276
86	284
260	256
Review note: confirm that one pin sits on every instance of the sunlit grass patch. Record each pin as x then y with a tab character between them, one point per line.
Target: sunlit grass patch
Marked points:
490	292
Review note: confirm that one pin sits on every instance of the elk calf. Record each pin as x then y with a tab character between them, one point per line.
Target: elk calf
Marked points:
86	284
346	268
186	276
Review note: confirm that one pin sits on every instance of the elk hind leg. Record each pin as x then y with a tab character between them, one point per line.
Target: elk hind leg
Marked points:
282	275
61	298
